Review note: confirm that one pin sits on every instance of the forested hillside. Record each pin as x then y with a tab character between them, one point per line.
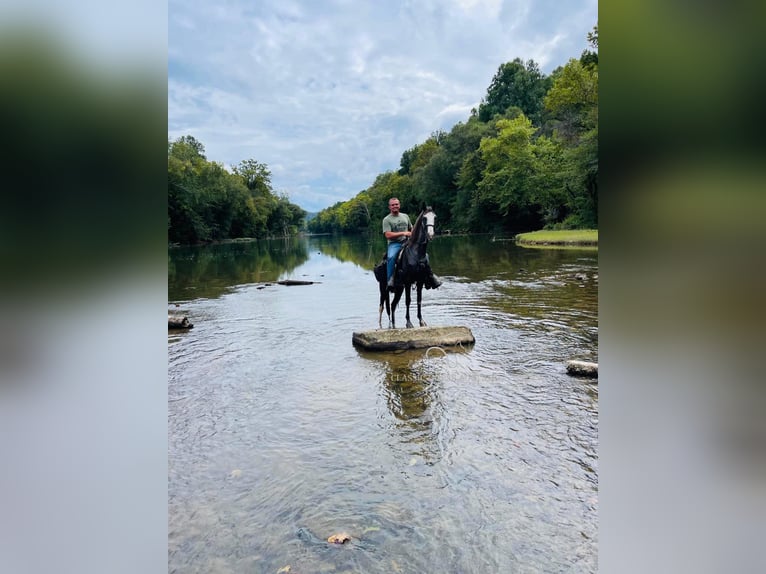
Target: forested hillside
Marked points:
526	159
207	203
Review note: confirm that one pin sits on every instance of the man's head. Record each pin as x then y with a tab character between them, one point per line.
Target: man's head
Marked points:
393	206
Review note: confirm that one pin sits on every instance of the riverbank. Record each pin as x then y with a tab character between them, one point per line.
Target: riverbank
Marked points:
588	237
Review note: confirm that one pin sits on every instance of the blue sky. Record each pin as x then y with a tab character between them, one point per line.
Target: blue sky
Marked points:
329	94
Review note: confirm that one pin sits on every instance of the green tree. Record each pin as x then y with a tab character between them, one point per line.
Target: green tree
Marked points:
572	101
418	156
185	161
553	192
593	37
511	168
207	203
572	106
286	218
256	176
590	57
367	209
515	84
188	147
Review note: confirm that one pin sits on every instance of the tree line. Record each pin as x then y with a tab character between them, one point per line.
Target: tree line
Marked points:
526	159
206	202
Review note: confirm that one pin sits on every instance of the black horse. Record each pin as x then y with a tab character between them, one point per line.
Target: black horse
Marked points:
411	268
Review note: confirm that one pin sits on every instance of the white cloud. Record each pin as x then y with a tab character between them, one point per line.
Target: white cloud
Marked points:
457	110
486	8
329	94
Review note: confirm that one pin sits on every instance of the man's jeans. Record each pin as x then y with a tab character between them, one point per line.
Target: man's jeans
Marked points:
391	253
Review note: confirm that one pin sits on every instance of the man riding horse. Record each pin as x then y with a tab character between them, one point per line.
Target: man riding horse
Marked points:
396	229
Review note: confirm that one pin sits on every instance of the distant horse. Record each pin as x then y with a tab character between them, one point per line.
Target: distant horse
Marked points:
411	268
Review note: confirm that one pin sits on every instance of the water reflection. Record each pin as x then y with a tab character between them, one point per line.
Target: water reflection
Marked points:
410	386
466	258
408	394
364	250
207	271
479	257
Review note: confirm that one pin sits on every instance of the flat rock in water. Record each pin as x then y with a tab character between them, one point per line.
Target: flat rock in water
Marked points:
582	368
179	322
291	282
417	338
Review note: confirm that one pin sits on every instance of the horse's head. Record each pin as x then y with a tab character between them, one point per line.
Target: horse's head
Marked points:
429	217
423	230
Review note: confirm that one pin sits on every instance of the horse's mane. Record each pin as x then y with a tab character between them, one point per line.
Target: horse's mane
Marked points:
417	229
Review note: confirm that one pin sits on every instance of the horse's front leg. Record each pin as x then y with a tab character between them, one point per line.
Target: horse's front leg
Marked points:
394	304
408	300
420	298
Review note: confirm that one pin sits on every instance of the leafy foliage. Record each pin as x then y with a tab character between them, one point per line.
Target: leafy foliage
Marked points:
515	84
572	103
207	203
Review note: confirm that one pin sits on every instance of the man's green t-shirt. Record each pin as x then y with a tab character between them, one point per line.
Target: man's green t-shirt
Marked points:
397	223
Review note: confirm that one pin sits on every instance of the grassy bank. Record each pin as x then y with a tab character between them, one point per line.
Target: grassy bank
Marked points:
563	237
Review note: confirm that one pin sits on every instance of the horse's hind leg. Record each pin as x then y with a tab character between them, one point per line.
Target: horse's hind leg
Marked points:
394	304
380	314
383	302
380	308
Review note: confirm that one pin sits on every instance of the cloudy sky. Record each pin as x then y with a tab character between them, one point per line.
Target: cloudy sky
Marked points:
329	93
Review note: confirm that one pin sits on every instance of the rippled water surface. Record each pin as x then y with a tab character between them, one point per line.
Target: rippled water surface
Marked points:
282	433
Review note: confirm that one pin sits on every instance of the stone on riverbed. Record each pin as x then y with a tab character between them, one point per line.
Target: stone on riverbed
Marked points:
417	338
179	322
291	282
582	368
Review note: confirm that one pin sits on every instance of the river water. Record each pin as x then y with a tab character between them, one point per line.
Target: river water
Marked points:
282	433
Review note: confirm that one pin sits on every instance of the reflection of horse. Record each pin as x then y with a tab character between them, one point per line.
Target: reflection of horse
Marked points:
411	268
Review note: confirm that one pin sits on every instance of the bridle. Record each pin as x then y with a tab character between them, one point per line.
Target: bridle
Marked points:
430	218
426	220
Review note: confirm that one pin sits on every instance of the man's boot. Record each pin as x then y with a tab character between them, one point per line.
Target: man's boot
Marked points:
432	281
390	284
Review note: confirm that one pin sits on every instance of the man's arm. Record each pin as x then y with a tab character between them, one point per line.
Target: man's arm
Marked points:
388	233
395	234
